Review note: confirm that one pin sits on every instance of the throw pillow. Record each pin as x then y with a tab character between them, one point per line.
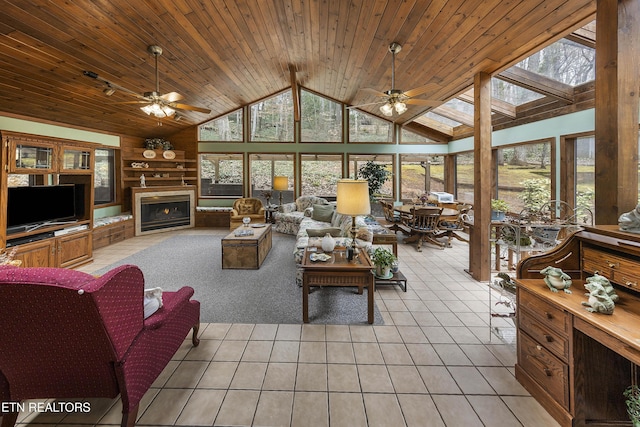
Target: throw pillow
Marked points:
320	232
322	213
365	234
152	301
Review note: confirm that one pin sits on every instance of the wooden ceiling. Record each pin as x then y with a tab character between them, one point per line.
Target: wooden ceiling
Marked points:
224	54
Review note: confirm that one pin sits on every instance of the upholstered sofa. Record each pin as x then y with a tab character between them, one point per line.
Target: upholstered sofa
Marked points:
290	215
67	334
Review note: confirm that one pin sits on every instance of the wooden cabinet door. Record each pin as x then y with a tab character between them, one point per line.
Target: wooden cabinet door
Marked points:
74	249
37	254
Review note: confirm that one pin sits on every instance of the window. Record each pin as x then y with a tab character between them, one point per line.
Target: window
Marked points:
320	174
366	128
263	168
104	185
464	177
357	161
524	175
320	119
408	137
272	119
585	173
420	173
221	175
227	128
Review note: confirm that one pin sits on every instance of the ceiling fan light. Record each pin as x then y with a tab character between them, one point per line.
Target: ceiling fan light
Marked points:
401	107
158	110
387	110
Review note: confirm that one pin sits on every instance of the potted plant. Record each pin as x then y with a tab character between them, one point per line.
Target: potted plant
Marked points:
383	259
376	175
632	394
499	209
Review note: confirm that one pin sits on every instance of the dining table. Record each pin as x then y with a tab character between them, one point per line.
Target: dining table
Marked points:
406	210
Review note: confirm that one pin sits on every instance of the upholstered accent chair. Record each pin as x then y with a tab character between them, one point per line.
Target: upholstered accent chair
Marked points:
67	334
246	206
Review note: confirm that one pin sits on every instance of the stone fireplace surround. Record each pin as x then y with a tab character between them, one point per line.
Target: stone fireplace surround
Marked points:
170	193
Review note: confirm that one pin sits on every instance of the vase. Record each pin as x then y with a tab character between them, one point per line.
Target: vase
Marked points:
328	243
394	267
383	271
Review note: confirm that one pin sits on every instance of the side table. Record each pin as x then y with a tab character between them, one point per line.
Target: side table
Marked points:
268	214
397	279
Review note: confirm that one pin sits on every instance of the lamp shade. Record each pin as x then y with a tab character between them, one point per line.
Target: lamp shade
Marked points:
280	183
353	197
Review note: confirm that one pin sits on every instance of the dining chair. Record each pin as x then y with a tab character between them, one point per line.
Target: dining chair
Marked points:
393	219
452	226
424	227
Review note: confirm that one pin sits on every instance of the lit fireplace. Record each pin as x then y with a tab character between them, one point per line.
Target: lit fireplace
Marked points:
164	210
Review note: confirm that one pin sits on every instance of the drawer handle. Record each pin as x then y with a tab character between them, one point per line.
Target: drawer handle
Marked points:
632	284
542	366
611	264
549	315
548	338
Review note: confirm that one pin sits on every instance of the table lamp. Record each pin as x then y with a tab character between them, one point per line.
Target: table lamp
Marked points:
353	200
280	183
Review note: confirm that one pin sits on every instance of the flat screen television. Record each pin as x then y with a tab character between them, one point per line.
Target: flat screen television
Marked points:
34	205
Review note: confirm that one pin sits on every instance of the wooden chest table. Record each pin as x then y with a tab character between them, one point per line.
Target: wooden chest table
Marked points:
246	252
337	271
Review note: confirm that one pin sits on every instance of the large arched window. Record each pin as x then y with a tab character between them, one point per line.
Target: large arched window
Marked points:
320	119
271	120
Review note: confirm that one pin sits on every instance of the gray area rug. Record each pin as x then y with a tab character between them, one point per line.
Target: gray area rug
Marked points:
267	295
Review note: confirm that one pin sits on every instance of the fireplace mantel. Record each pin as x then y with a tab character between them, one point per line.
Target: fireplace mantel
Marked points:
139	193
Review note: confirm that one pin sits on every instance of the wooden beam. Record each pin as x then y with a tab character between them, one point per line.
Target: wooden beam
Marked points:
616	108
479	248
498	106
537	83
453	114
295	93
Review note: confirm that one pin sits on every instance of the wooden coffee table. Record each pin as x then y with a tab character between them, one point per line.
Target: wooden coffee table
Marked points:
246	252
337	271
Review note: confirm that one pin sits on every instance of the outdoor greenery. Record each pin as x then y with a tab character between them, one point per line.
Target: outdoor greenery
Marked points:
632	395
499	205
376	174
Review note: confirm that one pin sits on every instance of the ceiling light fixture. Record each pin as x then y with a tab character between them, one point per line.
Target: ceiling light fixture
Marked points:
395	101
160	111
109	91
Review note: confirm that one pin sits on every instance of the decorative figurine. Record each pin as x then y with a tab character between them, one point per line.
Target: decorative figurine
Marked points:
556	279
599	299
606	284
630	221
143	181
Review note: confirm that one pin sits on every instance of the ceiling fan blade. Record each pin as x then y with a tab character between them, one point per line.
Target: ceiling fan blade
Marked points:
172	97
130	102
429	102
420	90
364	105
189	107
374	91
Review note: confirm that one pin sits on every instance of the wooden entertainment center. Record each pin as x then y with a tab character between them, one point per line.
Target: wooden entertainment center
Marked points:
39	161
577	363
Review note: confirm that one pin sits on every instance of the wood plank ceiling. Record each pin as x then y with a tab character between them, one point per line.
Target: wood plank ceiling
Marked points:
224	54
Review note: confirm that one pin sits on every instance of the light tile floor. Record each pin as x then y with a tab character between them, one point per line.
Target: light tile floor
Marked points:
434	362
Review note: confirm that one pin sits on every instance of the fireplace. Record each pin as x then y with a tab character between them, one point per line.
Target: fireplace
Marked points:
157	211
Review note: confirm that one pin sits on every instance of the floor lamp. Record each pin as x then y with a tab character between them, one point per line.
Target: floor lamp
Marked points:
353	200
280	183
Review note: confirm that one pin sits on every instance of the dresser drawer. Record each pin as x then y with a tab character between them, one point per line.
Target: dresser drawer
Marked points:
554	341
549	316
620	270
546	369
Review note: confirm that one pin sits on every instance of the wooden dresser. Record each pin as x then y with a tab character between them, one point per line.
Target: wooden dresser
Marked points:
577	363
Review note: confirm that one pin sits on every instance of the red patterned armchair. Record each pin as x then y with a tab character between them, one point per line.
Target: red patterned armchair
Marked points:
67	334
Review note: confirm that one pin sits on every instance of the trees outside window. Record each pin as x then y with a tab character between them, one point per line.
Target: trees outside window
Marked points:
221	175
366	128
524	174
263	167
357	161
104	176
464	177
271	120
320	118
419	174
319	174
225	129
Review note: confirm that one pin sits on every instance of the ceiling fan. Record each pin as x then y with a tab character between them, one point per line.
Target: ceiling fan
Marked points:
396	99
159	105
